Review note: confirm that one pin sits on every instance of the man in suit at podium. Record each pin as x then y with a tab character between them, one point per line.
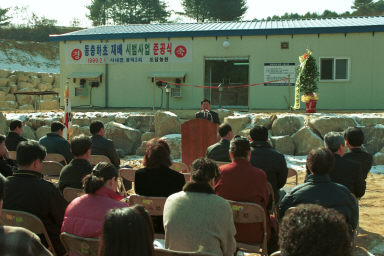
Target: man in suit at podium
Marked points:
206	112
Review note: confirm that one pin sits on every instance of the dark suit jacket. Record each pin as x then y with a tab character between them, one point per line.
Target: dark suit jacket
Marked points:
273	163
54	143
6	167
73	173
104	146
12	140
212	116
219	151
365	159
28	191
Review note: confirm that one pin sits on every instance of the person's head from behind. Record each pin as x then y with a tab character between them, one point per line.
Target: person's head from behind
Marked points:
57	127
354	137
205	171
157	154
258	133
96	128
103	175
225	131
239	148
3	148
312	230
81	146
16	126
30	155
335	142
320	161
127	231
2	190
205	104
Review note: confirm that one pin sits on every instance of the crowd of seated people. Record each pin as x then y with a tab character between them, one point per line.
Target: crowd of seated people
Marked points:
202	202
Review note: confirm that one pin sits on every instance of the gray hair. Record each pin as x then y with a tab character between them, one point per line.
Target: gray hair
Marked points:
333	140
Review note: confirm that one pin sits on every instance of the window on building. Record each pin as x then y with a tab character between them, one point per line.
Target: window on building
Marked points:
334	69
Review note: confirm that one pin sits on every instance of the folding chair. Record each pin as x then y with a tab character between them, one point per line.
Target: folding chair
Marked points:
166	252
291	173
51	168
154	206
28	221
127	174
187	177
55	157
278	253
71	193
80	246
272	195
95	159
12	155
179	167
250	213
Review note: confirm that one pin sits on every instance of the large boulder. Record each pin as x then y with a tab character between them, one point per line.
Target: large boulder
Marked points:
12	88
12	78
245	133
28	133
48	104
223	113
287	125
77	130
26	99
124	137
3	95
147	136
283	144
373	138
140	151
22	77
3	123
237	122
42	131
7	105
140	121
263	120
4	81
166	123
174	142
10	97
36	122
45	87
369	121
46	78
26	107
5	73
305	140
25	85
325	124
81	119
378	158
35	81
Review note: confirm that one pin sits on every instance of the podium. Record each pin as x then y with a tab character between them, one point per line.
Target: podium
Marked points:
196	136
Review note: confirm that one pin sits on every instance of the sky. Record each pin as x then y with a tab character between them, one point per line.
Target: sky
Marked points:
65	11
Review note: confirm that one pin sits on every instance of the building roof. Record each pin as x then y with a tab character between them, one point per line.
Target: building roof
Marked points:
240	28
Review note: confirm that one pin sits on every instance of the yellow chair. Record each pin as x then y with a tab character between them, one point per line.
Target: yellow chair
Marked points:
80	246
95	159
127	174
187	177
12	155
55	157
250	213
51	168
291	173
271	194
71	193
167	252
28	221
179	167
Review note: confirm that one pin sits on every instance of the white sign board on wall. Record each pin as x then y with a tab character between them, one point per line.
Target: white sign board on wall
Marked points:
129	52
278	71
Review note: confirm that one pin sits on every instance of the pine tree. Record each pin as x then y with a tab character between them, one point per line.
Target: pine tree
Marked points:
363	7
4	19
226	10
196	9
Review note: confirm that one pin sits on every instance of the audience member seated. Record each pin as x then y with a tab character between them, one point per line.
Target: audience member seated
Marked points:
241	181
73	173
220	150
319	189
102	145
312	230
354	138
344	171
127	231
263	156
196	219
84	216
206	112
14	136
55	143
6	165
27	191
157	179
16	240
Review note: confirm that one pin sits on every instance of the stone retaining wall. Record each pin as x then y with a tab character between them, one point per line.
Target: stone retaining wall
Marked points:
291	134
19	81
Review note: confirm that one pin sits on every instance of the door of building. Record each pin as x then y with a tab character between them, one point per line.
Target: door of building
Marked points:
230	73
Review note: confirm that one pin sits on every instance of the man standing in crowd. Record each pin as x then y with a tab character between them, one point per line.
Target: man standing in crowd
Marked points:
263	156
55	143
27	191
73	173
220	150
14	136
7	166
319	189
102	145
206	112
344	171
354	138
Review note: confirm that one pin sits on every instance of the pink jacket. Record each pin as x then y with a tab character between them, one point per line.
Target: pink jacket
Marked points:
84	216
